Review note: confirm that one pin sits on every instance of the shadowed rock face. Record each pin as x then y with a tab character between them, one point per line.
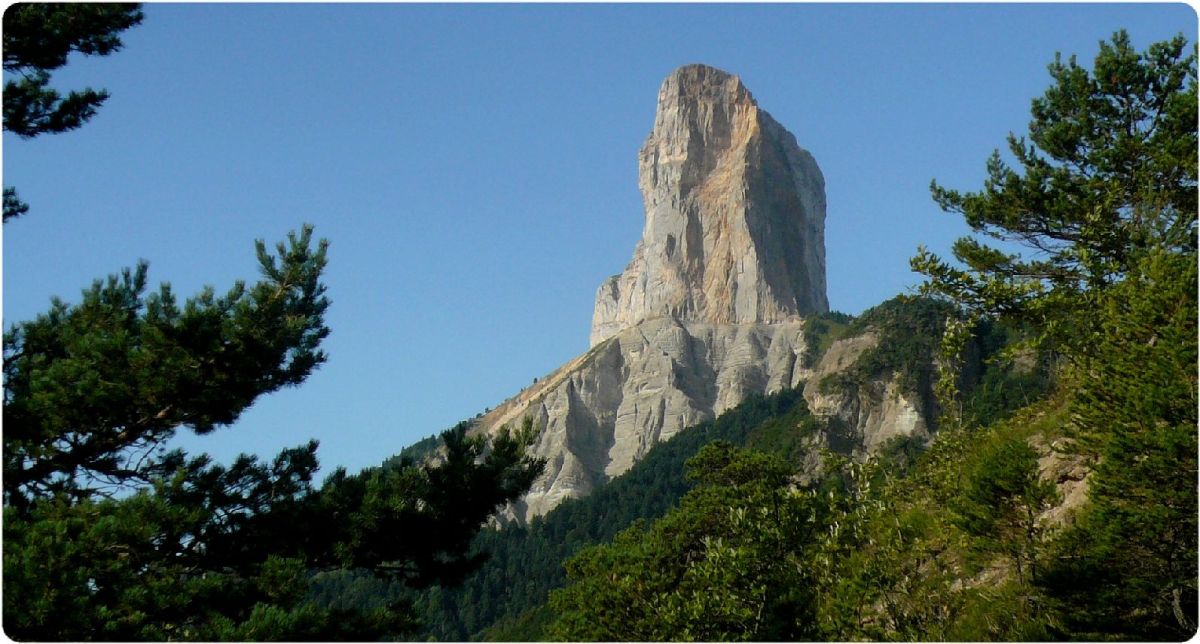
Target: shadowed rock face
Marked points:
710	309
735	215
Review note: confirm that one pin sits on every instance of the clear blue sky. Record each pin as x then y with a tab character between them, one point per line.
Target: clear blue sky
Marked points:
474	168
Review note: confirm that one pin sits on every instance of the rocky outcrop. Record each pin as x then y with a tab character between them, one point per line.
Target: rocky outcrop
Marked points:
603	411
866	415
711	308
600	413
735	215
1060	463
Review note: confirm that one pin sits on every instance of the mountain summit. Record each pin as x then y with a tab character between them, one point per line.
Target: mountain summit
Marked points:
735	215
712	307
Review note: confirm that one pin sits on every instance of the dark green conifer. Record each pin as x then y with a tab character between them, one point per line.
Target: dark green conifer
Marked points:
1108	171
38	39
106	536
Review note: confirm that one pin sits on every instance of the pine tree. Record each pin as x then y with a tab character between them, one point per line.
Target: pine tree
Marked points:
1106	200
1129	568
38	39
1001	502
108	536
92	391
1108	172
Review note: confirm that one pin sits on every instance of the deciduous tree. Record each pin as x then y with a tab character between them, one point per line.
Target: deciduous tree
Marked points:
725	565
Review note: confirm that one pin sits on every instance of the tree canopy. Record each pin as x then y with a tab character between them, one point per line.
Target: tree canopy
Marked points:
1106	200
1108	170
38	39
92	391
109	535
727	564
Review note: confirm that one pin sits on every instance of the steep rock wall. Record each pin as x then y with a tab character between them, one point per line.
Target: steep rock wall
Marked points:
603	411
735	215
710	309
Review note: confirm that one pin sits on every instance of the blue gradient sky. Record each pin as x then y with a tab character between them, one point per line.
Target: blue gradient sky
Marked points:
475	169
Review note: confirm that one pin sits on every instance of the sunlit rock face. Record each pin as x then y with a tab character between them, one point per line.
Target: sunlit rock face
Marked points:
711	308
735	215
600	413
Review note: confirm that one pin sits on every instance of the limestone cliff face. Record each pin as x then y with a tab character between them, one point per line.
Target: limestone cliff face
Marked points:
601	412
735	215
710	309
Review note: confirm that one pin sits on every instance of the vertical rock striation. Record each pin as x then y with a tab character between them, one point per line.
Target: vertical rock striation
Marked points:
710	309
735	215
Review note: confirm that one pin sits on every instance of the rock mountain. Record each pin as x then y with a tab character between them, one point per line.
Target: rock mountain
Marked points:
735	215
712	306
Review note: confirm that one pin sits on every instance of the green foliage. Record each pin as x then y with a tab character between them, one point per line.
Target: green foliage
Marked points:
417	522
38	38
1015	374
217	553
790	435
884	570
896	563
1128	570
529	626
417	452
1106	199
951	359
725	565
525	562
510	589
107	536
132	568
909	331
13	206
1002	390
92	391
1002	500
884	557
882	563
1108	172
820	331
1004	610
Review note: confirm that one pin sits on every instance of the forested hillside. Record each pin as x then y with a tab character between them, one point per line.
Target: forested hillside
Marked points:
1076	518
1069	516
526	562
505	599
1048	491
785	441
